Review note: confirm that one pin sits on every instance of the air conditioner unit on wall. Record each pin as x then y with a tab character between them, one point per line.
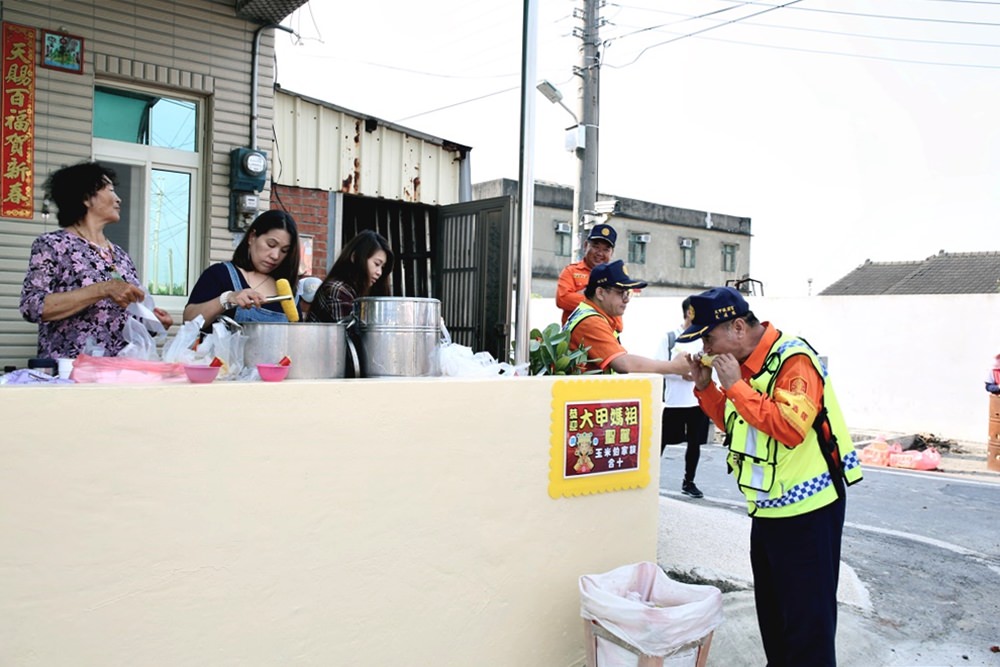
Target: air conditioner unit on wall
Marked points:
562	228
642	238
687	243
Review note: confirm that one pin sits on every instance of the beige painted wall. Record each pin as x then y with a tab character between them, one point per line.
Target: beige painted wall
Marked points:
354	522
908	364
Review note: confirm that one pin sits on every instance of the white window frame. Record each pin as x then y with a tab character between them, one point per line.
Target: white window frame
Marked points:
149	158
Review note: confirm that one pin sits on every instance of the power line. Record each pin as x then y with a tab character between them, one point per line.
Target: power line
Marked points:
704	30
853	55
458	104
888	17
774	26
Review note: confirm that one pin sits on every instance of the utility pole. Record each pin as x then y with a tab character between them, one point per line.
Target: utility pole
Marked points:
589	71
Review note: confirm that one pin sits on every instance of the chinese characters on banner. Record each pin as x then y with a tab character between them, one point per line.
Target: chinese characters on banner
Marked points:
18	121
602	437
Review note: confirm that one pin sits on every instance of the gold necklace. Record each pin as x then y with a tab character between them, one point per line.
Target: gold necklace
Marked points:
263	280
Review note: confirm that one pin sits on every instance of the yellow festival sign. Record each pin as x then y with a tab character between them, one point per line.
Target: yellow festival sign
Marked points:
17	130
601	436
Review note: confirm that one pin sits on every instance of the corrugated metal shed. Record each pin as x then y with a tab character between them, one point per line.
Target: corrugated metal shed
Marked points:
322	146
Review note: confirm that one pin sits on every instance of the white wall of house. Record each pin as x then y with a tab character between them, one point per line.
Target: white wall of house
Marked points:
908	364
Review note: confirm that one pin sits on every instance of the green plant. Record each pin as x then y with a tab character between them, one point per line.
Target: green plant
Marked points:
549	354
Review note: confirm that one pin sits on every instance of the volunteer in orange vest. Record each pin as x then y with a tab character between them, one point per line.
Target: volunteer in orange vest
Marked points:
599	249
592	325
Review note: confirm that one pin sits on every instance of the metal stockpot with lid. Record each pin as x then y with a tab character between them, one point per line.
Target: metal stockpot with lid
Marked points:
399	336
318	350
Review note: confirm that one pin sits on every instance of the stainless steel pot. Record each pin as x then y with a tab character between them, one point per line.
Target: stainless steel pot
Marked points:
399	336
317	349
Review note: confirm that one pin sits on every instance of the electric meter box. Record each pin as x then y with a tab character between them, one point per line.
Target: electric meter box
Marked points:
247	170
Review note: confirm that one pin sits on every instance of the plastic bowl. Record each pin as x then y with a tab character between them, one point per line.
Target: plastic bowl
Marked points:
272	372
201	374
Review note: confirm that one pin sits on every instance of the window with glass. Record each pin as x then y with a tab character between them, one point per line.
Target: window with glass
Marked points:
637	248
152	143
687	253
564	239
729	257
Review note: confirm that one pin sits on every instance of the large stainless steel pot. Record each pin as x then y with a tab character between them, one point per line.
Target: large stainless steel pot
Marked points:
399	336
317	349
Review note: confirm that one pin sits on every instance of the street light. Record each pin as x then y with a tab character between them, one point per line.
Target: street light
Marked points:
553	95
575	141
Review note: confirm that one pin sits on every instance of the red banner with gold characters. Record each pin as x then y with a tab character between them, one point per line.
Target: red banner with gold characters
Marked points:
18	121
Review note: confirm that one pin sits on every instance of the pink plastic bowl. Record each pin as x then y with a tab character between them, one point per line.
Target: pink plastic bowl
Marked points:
272	372
201	374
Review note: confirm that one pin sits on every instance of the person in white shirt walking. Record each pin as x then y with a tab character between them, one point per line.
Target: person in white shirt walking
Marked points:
683	419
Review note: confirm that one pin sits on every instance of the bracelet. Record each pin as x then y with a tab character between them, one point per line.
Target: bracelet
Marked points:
224	300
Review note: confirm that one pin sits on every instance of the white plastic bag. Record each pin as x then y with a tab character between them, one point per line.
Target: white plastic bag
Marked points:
179	350
459	361
228	345
141	344
646	609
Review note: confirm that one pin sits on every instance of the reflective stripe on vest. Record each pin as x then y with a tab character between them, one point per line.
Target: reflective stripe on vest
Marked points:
779	480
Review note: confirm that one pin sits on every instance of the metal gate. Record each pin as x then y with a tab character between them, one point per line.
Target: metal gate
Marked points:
461	254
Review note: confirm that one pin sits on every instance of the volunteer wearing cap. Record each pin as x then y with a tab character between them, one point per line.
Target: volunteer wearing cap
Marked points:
599	248
792	457
593	324
306	292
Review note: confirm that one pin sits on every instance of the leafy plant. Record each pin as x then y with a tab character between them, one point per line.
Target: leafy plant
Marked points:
549	354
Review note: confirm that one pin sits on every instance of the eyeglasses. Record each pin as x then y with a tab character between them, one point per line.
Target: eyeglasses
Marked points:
625	292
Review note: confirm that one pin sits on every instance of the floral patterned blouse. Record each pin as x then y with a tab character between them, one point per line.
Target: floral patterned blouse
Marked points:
60	262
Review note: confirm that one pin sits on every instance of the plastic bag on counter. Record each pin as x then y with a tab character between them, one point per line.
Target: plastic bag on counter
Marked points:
140	343
460	361
181	348
124	370
227	342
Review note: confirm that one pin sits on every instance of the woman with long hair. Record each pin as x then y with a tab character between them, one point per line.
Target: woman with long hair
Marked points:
268	252
362	269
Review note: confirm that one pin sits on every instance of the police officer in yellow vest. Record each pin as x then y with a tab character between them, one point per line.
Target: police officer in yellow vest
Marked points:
791	454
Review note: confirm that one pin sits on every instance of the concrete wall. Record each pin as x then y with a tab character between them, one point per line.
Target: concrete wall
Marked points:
352	522
912	364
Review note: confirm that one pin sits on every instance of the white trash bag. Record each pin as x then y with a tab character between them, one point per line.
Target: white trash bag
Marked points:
648	610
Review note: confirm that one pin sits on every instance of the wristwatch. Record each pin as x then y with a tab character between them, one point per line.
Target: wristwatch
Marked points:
224	300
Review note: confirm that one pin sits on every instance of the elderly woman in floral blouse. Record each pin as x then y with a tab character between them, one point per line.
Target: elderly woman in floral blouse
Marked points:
79	283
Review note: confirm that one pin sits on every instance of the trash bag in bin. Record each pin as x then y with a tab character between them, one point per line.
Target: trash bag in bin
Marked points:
646	609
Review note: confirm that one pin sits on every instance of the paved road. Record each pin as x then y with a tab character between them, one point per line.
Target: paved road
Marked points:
925	547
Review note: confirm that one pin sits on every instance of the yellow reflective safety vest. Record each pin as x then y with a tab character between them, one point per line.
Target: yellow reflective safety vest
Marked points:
579	314
782	481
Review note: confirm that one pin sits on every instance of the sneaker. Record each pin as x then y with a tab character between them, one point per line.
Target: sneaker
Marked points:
689	489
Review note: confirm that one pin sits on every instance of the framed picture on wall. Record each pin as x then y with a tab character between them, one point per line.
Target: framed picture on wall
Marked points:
61	51
305	254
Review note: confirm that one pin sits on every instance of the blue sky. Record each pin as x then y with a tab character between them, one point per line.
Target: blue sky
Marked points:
845	130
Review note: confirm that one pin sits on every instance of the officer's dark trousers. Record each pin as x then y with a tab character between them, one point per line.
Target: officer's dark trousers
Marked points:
796	564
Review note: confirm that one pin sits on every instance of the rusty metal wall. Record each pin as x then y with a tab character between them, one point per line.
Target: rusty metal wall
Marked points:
319	145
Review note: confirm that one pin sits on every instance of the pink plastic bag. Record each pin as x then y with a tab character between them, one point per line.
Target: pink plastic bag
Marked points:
914	460
879	452
122	370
